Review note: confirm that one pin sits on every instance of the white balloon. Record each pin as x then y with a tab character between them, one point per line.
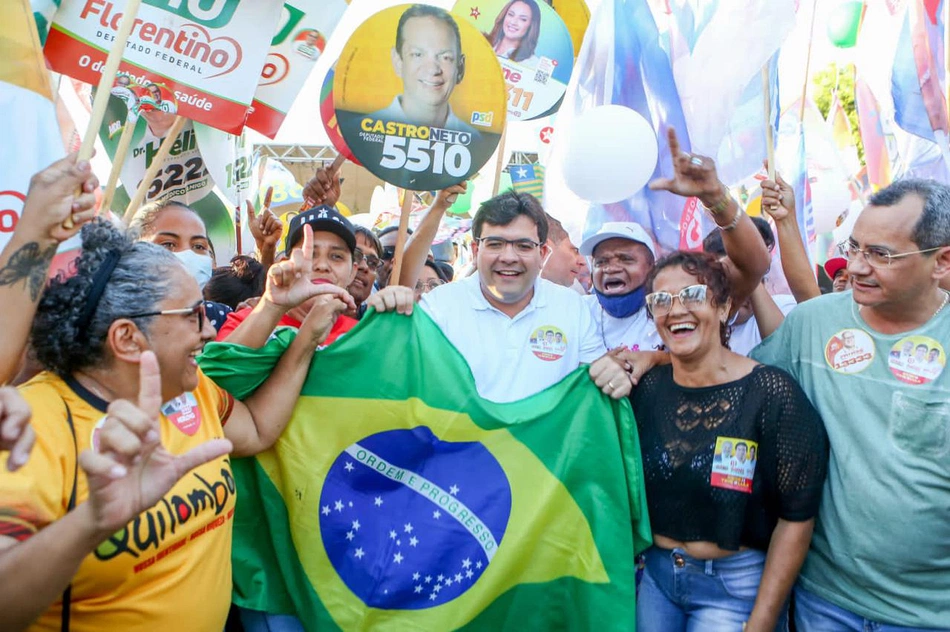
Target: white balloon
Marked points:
611	154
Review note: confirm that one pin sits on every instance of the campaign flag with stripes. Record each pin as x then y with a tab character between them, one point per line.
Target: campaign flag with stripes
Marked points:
528	179
399	499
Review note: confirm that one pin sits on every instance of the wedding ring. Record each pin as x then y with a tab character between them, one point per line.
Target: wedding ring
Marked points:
610	385
696	160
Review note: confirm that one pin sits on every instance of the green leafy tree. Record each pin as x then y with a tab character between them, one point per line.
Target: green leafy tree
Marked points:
841	79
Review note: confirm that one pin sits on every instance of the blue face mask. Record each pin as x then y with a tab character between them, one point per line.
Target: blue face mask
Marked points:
625	304
198	266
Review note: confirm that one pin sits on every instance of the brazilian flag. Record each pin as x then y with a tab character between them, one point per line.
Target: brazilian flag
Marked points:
398	499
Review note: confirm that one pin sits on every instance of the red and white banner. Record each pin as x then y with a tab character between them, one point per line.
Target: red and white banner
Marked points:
301	34
199	61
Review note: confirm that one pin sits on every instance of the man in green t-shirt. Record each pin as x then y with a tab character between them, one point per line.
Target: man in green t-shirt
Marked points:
880	555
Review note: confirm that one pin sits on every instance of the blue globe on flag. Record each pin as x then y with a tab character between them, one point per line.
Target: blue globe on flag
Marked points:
410	521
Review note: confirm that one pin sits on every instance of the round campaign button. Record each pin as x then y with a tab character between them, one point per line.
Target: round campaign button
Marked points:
534	48
917	359
419	97
184	413
850	351
548	343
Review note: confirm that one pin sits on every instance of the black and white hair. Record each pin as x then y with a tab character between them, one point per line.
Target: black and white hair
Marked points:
932	230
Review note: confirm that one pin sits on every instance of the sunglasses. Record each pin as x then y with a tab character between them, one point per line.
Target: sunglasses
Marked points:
198	310
388	253
661	303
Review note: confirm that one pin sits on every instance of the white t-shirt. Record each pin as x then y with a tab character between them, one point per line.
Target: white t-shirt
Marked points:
746	336
636	332
513	358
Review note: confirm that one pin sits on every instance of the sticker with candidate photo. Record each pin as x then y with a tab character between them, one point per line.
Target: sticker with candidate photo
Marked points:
534	47
850	351
734	464
917	360
183	412
419	97
548	343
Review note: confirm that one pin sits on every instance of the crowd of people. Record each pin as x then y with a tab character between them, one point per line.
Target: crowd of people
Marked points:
794	447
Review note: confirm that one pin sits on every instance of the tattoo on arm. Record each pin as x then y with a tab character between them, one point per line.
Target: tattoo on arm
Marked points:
28	264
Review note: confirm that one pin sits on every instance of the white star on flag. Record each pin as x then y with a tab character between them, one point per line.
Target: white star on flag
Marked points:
338	505
413	541
469	573
348	467
428	579
408	527
478	564
392	534
397	558
356	525
398	542
326	510
350	535
458	577
378	501
448	581
454	490
436	514
359	553
439	579
437	588
418	589
522	172
432	597
415	577
350	503
466	563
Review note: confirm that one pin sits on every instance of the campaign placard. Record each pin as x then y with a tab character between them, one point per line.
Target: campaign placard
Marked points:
328	117
206	57
419	97
302	33
534	48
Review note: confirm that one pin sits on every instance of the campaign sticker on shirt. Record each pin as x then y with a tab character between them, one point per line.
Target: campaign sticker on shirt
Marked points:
917	360
734	464
548	343
94	435
850	351
184	413
419	97
534	48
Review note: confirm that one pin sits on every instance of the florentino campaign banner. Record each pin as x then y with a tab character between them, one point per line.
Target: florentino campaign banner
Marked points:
302	33
399	499
209	58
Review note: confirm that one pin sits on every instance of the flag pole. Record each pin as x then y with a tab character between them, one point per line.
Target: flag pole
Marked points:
769	138
498	163
157	162
401	236
125	140
105	87
811	37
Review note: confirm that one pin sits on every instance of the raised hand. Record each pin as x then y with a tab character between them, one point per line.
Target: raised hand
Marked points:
447	196
693	175
288	282
323	187
323	315
778	198
610	375
52	199
16	434
392	298
130	470
266	227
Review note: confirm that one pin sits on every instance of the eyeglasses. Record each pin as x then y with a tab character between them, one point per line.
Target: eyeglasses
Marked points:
388	253
429	285
496	245
661	303
198	310
621	261
359	257
877	257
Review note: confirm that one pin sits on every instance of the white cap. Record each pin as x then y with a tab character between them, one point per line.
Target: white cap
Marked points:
623	230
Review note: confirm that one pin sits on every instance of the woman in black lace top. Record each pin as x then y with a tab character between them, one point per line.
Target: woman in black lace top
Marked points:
734	457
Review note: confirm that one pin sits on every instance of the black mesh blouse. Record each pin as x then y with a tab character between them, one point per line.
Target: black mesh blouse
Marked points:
698	492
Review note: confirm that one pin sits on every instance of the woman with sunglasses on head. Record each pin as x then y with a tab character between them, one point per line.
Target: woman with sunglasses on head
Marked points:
730	534
127	500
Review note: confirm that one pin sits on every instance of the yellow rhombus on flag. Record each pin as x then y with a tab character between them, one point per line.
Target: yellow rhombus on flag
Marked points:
398	499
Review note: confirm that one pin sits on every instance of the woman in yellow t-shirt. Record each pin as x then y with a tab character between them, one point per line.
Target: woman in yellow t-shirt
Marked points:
121	519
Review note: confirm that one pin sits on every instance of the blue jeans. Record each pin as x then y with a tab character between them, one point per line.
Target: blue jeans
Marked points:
814	614
680	593
257	621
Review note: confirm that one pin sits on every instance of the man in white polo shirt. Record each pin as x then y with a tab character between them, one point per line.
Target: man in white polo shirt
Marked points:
499	318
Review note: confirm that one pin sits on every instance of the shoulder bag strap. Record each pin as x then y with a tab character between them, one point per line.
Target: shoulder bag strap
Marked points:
67	594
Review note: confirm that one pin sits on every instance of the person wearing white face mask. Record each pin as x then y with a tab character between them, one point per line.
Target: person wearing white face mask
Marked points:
178	228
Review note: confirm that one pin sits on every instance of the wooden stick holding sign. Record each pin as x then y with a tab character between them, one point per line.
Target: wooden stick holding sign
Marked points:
157	162
769	138
105	88
499	167
331	172
125	140
402	235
